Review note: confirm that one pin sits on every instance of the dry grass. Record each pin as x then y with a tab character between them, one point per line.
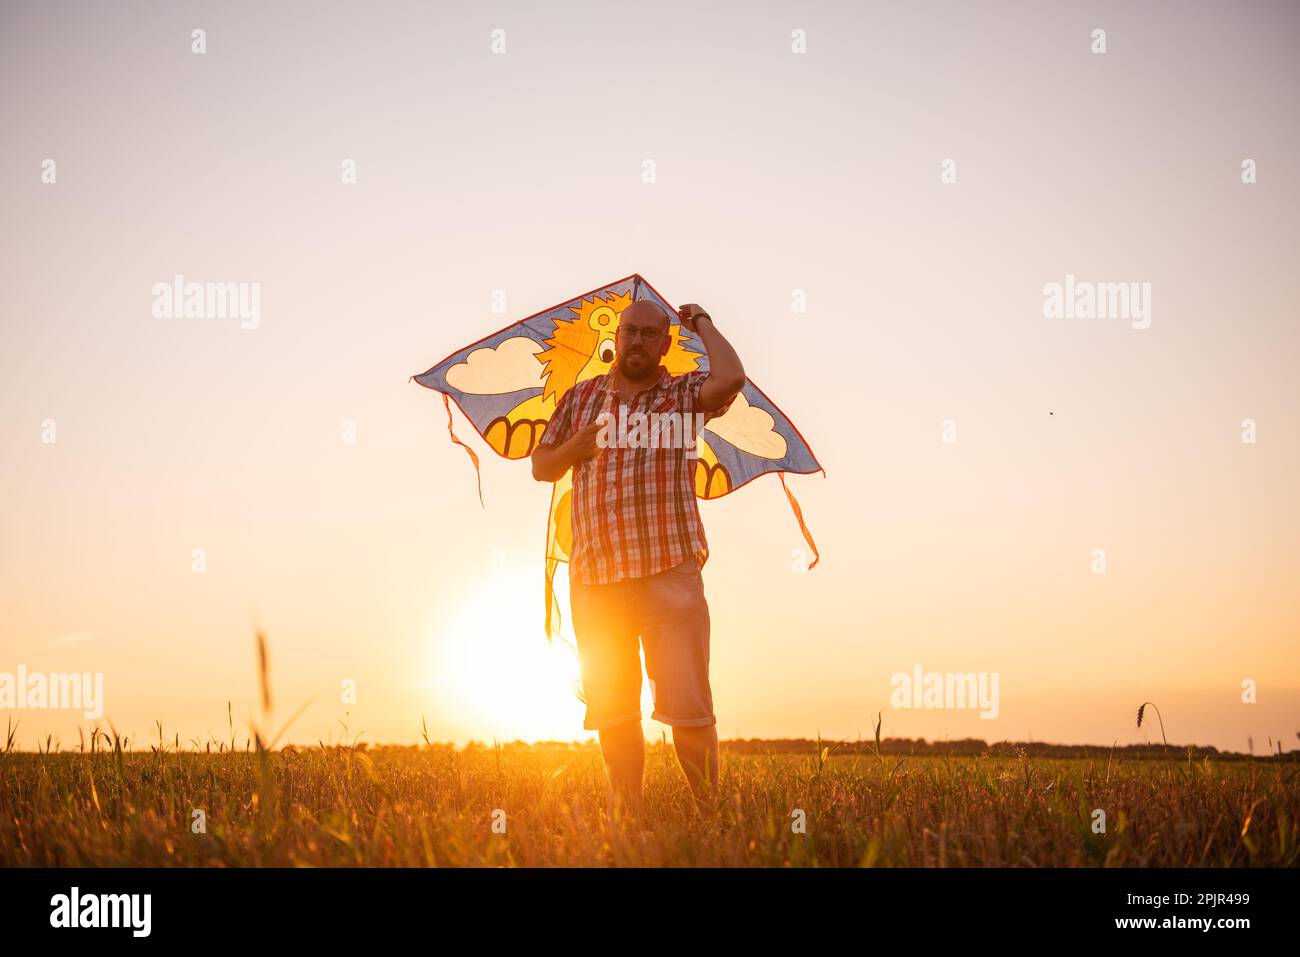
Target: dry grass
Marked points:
433	805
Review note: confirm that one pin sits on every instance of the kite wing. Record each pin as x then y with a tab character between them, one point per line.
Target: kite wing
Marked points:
508	384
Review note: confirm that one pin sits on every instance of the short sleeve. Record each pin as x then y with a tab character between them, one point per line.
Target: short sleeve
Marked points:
560	426
694	382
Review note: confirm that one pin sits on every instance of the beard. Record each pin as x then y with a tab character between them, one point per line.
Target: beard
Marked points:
643	363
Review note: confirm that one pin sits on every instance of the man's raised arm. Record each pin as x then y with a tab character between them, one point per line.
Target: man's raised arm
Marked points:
726	375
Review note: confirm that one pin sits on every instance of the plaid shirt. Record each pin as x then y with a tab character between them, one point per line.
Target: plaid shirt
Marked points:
634	511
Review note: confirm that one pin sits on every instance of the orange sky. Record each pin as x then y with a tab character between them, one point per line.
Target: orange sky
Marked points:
774	172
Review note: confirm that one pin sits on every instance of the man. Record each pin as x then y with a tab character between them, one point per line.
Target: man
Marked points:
639	545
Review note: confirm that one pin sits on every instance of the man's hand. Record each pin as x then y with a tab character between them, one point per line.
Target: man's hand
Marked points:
550	464
688	313
582	445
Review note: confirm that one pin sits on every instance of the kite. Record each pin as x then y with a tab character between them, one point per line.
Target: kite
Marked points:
509	382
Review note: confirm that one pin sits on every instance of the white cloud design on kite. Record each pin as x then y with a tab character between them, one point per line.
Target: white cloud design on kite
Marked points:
509	367
749	429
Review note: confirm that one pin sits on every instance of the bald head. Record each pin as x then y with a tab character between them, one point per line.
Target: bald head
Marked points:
645	312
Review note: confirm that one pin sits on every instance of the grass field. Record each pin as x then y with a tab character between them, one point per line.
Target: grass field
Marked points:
439	806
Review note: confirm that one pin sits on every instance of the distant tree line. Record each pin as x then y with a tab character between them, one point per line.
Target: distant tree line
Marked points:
974	746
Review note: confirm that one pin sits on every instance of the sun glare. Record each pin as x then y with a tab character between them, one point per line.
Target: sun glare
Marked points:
493	664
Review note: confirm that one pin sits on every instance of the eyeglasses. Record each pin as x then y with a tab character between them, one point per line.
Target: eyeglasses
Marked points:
649	333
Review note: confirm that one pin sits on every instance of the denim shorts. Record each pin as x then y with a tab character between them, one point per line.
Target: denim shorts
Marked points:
667	615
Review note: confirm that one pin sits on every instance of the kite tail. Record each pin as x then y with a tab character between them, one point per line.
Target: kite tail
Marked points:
553	564
552	606
798	514
473	457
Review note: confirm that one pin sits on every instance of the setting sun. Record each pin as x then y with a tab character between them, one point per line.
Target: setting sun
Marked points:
499	675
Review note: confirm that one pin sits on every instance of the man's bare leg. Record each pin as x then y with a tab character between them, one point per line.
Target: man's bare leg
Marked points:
624	750
697	752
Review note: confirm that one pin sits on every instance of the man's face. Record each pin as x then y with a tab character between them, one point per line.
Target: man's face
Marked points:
642	339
